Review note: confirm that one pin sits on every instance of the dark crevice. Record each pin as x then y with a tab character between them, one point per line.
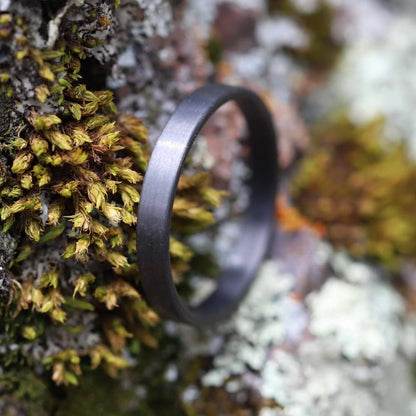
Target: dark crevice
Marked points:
5	56
50	8
94	74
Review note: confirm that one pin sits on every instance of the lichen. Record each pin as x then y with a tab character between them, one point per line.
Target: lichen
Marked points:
340	352
374	76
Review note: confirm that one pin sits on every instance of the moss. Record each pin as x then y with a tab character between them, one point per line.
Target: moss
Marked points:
322	50
72	169
28	390
219	402
97	394
214	49
361	189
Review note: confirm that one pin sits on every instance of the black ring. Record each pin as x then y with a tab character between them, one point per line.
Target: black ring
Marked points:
158	192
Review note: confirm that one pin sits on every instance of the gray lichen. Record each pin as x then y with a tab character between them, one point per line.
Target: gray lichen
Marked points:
7	247
375	75
344	352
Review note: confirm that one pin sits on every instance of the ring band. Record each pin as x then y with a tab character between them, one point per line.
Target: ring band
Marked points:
158	192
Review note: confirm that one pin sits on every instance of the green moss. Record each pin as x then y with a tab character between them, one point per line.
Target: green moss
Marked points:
214	49
361	188
72	170
97	394
322	50
27	390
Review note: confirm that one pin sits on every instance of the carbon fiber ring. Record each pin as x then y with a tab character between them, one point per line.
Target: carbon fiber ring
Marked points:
158	192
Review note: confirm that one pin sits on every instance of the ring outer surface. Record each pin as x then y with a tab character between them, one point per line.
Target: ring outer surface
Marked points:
158	193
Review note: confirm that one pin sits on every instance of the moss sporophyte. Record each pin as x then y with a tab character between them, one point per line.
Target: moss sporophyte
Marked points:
71	173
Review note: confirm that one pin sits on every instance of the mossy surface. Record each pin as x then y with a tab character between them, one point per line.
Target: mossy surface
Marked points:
71	174
322	49
361	187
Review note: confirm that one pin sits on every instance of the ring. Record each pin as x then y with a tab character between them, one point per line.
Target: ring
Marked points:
158	192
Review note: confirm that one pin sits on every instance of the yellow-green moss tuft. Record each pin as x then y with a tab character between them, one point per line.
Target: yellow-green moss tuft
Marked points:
71	178
362	188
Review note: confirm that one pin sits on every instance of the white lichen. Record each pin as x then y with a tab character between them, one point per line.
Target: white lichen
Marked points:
278	32
346	351
363	320
200	15
158	17
375	76
4	5
53	25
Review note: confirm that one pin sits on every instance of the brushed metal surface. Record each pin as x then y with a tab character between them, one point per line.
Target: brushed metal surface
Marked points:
158	192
